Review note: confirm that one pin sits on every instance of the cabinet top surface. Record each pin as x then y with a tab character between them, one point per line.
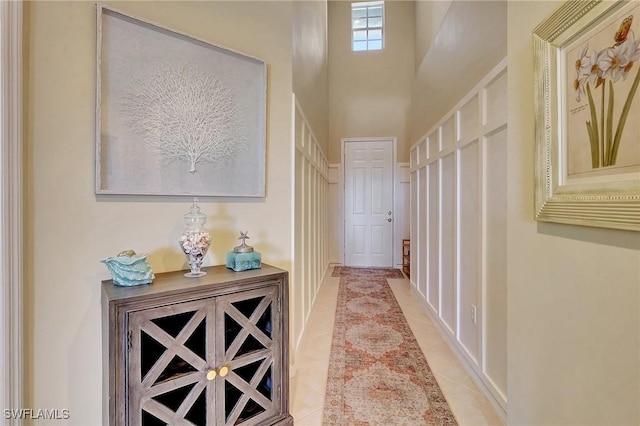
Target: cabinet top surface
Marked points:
176	282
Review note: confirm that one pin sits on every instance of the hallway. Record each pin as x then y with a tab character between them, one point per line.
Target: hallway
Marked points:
469	406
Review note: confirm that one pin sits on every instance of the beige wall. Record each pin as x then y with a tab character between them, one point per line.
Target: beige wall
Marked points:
310	68
369	91
573	292
470	42
69	229
428	17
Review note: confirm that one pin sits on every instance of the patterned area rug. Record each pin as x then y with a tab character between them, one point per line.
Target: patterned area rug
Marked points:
377	373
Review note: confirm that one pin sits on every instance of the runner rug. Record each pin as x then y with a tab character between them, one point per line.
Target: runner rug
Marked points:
377	373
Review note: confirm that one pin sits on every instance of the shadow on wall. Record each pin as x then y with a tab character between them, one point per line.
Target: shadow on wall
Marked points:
603	236
470	42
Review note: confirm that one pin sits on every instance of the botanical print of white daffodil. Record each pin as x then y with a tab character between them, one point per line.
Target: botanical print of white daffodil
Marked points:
599	71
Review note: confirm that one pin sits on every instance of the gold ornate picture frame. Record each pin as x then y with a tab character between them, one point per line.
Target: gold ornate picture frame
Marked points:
587	130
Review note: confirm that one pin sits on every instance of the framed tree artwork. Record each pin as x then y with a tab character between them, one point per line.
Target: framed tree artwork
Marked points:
176	115
587	73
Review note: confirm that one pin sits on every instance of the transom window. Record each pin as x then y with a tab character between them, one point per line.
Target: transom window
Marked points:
367	20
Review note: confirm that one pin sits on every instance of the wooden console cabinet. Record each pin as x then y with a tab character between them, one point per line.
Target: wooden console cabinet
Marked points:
208	351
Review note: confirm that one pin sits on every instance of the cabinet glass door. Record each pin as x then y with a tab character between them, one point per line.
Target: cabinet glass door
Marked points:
206	362
170	352
249	325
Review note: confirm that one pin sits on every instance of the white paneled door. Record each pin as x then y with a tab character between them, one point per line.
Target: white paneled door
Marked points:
368	202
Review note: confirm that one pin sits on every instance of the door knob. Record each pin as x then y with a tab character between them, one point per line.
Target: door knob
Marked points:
389	220
211	374
223	371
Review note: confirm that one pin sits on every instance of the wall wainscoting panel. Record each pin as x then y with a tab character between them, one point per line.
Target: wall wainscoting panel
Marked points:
335	212
469	246
413	220
432	243
458	230
421	251
311	247
401	216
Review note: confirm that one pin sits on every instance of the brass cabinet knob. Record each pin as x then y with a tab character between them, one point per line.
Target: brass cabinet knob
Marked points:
211	374
224	370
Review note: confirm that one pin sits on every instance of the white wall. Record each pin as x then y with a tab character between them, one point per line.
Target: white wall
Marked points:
402	224
311	219
69	229
336	216
469	42
458	210
311	187
369	92
310	65
428	16
573	291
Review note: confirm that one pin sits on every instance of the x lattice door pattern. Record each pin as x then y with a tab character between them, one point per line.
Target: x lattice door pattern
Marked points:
217	352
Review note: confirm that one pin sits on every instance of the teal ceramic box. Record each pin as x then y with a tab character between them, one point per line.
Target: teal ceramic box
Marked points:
244	261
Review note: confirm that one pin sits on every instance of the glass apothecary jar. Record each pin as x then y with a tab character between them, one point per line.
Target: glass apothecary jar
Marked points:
195	240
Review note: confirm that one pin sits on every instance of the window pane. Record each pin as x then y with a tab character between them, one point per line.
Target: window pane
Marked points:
359	23
360	12
367	20
375	34
375	11
359	45
359	35
375	22
375	45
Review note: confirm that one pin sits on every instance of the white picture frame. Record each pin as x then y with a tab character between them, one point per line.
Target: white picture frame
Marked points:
175	114
577	178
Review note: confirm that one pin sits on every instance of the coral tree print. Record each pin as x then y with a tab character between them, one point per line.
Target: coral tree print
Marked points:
176	115
603	122
185	114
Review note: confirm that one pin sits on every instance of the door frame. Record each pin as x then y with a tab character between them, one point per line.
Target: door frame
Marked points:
11	251
341	190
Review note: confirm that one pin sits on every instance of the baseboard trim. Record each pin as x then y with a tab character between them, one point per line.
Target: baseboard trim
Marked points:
497	406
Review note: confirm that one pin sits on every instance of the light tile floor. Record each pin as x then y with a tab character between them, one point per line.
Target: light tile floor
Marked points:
308	385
